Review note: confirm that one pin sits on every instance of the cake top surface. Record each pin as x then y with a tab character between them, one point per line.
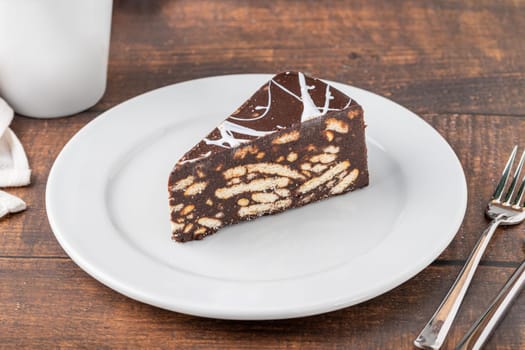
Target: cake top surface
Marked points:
287	99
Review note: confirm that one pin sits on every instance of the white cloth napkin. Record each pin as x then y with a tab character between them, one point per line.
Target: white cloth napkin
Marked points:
14	168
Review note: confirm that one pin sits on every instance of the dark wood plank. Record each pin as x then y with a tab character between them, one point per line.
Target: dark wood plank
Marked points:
51	302
434	56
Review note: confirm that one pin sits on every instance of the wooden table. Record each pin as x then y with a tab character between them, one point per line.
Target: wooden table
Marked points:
459	65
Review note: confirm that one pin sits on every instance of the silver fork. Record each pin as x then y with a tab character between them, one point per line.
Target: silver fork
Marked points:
482	329
503	209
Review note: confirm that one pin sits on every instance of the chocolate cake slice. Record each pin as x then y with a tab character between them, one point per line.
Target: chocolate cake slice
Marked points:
295	141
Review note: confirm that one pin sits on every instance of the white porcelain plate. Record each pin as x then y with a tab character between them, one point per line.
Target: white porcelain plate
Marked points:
107	203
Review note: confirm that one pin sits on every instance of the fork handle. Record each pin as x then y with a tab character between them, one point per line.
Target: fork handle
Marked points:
436	330
483	327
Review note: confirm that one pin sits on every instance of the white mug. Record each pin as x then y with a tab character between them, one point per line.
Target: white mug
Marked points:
53	55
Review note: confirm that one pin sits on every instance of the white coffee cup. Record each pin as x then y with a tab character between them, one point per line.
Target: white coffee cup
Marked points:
53	55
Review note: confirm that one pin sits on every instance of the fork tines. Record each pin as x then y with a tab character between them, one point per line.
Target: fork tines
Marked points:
509	198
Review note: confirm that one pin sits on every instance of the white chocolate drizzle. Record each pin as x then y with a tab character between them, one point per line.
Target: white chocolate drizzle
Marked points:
228	140
202	156
310	110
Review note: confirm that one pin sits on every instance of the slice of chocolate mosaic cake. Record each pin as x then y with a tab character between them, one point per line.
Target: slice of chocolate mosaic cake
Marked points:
295	141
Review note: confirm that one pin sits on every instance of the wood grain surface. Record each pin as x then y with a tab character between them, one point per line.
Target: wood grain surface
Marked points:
459	65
